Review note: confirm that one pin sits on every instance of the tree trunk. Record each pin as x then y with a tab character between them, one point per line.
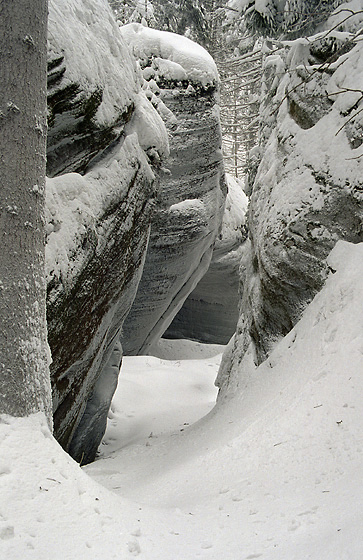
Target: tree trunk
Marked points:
24	368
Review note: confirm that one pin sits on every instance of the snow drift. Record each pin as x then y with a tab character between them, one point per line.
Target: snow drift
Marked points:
274	472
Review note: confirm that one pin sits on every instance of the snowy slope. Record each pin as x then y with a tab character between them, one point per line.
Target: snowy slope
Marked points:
273	472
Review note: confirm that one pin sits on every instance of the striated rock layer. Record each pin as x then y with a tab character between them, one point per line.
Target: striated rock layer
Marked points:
101	130
307	194
211	311
182	81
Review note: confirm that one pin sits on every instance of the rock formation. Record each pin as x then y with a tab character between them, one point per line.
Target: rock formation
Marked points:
102	130
107	149
181	80
211	311
308	189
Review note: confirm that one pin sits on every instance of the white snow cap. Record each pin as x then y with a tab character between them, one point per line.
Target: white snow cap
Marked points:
149	127
175	57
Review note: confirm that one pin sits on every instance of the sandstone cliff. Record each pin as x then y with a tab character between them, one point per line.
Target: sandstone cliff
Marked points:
211	311
181	80
111	176
307	193
101	129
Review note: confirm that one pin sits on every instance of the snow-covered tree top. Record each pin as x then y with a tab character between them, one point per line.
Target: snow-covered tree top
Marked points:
176	57
289	18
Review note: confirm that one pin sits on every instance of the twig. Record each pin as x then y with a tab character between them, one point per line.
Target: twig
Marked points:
350	118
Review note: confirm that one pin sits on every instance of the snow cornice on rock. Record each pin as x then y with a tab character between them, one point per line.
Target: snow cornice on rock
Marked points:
174	57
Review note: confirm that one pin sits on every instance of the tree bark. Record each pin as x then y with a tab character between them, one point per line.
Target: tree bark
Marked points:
24	357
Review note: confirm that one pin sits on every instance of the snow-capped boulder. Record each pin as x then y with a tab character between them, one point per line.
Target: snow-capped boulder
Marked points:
181	80
102	130
307	194
210	312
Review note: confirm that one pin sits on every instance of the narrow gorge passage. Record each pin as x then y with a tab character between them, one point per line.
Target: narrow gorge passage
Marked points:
162	393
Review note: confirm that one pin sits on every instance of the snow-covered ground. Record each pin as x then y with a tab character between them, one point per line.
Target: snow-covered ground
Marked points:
273	472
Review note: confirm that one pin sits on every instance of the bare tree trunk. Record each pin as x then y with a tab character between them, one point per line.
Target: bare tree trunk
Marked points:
24	370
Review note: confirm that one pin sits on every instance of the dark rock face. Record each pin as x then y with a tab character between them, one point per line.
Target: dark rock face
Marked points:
92	426
211	311
87	306
307	195
190	202
74	138
98	223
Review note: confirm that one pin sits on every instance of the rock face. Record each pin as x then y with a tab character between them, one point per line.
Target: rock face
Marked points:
92	84
210	313
101	130
181	80
307	194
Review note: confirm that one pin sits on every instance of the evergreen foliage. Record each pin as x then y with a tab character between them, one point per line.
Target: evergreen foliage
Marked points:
283	19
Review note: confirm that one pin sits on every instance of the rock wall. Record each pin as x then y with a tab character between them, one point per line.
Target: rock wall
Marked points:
181	80
210	313
308	189
101	130
111	182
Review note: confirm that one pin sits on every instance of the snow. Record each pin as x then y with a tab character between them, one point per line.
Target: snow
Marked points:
310	151
182	391
346	84
309	148
273	471
75	203
188	206
149	126
174	57
234	216
100	60
347	16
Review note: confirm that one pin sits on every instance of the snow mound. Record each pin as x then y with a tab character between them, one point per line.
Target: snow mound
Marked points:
182	349
188	206
274	472
174	57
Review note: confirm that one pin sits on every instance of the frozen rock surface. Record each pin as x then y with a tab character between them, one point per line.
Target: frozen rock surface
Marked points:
210	313
307	194
101	131
181	81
